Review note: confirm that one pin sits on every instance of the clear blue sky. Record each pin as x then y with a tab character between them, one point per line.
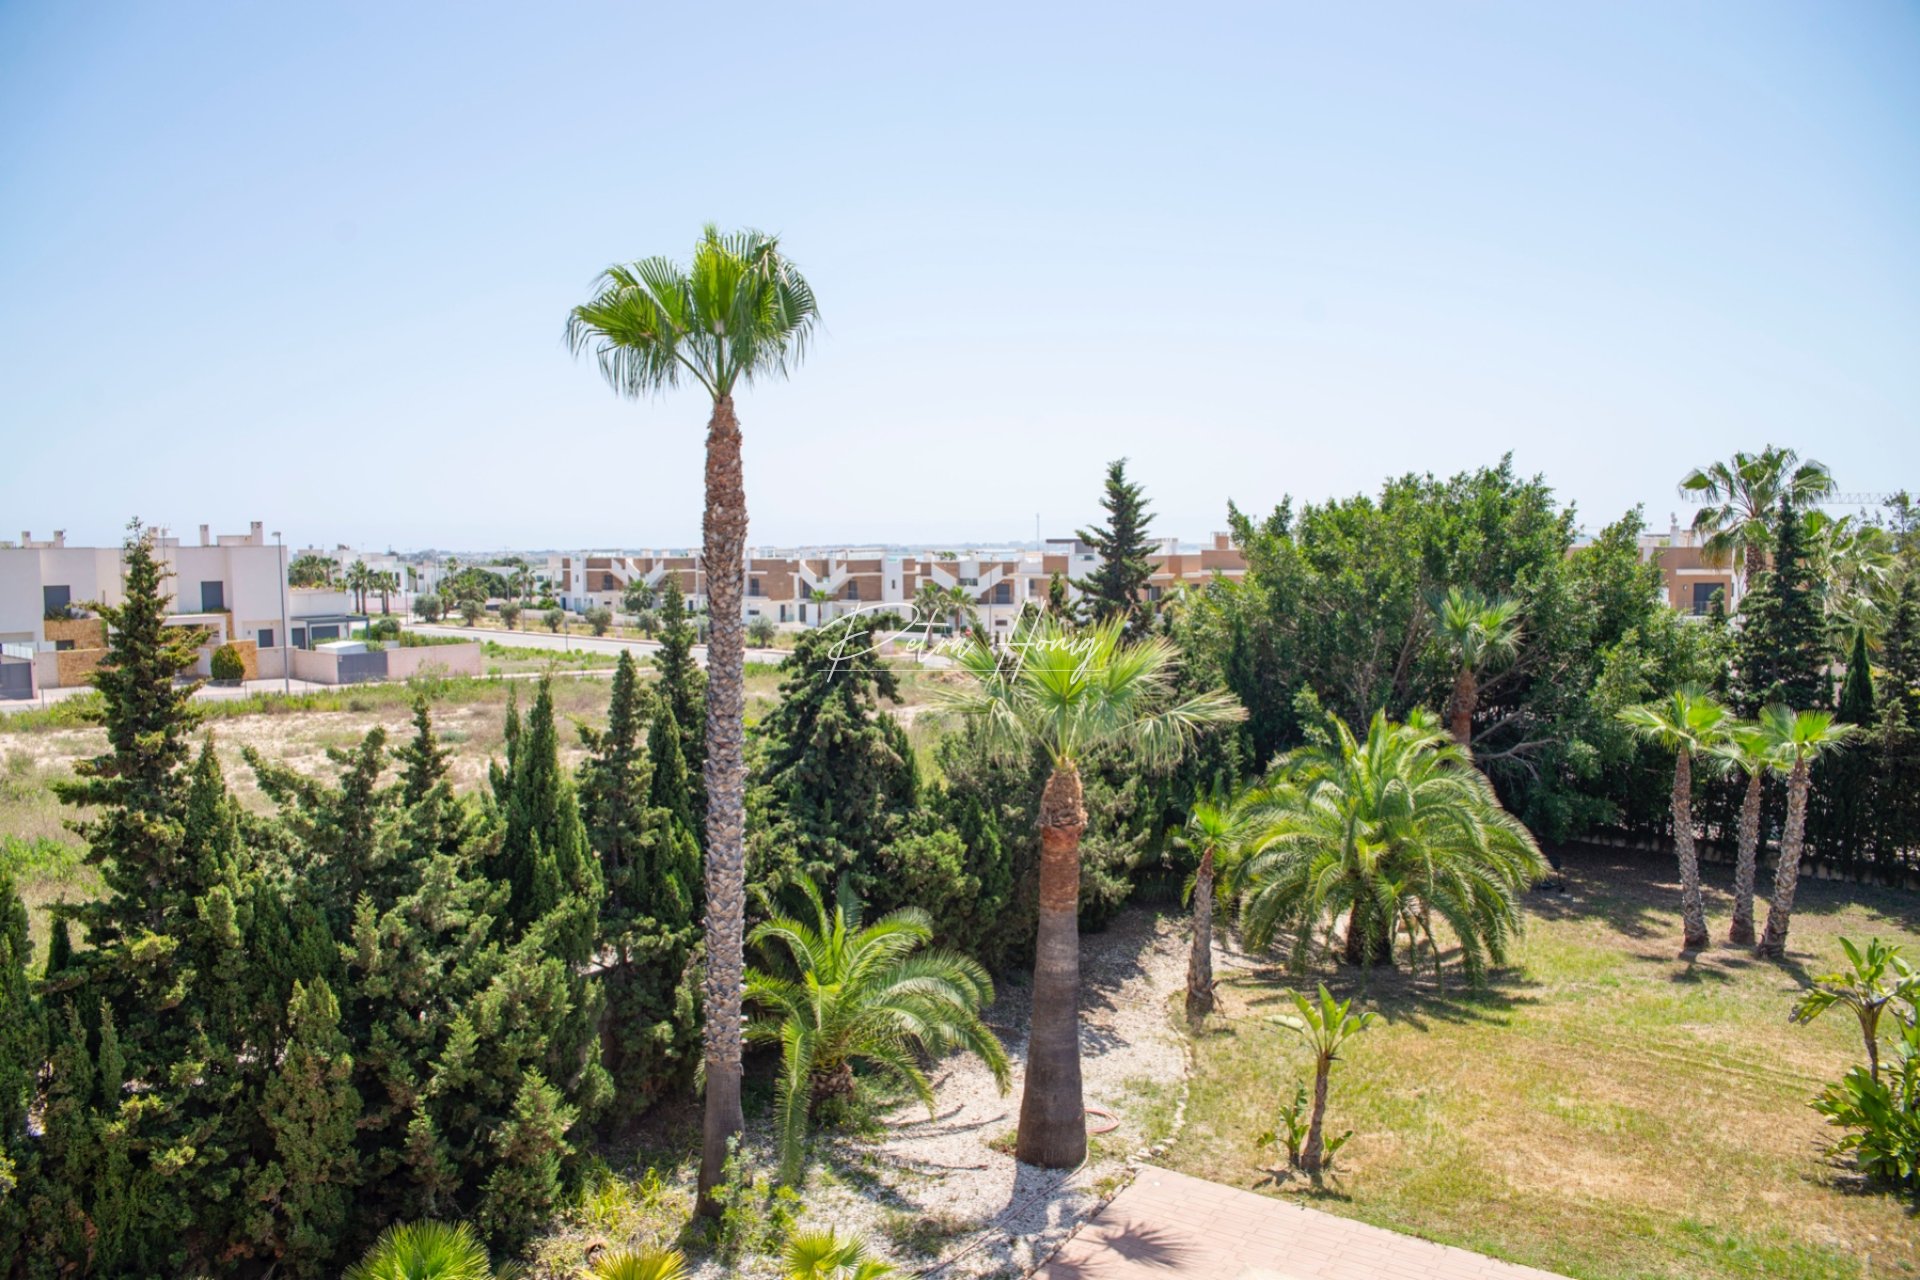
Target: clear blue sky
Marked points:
309	263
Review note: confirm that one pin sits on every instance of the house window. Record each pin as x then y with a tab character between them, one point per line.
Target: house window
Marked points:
57	599
852	592
213	597
753	586
1703	594
264	638
1003	593
969	582
299	637
606	582
61	646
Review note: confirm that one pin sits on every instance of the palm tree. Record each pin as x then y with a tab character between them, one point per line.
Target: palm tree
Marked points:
739	312
1480	634
823	1255
1741	495
862	994
644	1264
821	598
1879	977
424	1251
359	580
1686	721
1326	1025
1797	739
1746	749
1064	693
1211	827
1387	832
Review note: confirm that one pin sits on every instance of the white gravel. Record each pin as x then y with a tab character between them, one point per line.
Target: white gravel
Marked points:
981	1213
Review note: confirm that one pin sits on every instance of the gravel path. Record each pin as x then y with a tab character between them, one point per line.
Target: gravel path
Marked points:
937	1199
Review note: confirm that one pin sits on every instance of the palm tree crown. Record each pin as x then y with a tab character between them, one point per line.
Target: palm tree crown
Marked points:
424	1251
1389	832
1480	632
740	310
861	992
1741	494
1687	720
1067	692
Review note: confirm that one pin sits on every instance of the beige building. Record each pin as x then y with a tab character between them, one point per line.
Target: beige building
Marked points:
804	588
1689	581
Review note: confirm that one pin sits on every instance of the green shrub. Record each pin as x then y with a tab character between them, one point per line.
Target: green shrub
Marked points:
761	631
600	619
227	664
428	607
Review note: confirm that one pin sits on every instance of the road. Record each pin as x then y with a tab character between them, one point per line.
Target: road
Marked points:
592	644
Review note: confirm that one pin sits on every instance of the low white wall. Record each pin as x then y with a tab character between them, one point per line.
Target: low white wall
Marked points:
433	659
321	668
272	663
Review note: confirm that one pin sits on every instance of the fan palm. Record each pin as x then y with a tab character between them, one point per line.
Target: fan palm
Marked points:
1064	693
1212	827
646	1264
1741	495
1797	739
1387	832
861	994
823	1255
1746	749
1480	634
739	312
359	580
1685	722
424	1251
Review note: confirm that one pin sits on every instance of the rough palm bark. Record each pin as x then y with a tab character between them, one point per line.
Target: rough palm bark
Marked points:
1786	876
1053	1123
1466	696
1200	959
725	530
1743	868
1693	914
1313	1151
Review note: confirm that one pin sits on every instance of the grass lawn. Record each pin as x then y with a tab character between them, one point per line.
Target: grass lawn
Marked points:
1604	1109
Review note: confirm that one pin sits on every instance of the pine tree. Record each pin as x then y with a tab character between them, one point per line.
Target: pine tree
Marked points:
1840	820
423	760
1117	587
303	1191
341	831
543	855
1781	653
22	1052
525	1184
1059	602
672	786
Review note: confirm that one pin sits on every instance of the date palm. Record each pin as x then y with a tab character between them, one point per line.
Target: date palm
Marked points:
1064	693
1745	749
861	994
1387	831
1797	739
1480	635
1741	495
1687	722
739	312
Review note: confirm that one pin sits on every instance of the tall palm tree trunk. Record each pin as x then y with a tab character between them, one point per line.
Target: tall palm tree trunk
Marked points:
1742	930
1053	1122
725	527
1200	959
1786	875
1693	915
1466	695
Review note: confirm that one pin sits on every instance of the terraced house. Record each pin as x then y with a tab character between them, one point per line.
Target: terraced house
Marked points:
230	585
808	586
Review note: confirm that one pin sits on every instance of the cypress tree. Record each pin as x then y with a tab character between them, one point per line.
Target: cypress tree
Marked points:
423	760
651	865
22	1051
303	1191
671	785
1117	587
1781	653
543	854
683	687
1900	649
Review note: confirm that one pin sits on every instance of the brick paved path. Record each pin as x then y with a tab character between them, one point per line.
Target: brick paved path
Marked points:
1167	1225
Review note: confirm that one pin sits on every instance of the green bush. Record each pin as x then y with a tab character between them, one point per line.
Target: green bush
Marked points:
428	607
600	619
227	664
761	631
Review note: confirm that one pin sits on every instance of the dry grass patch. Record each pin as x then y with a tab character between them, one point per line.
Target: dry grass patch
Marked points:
1605	1108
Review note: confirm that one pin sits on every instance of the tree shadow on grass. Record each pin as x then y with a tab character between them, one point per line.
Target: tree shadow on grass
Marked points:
1397	995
